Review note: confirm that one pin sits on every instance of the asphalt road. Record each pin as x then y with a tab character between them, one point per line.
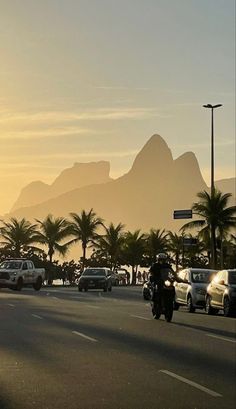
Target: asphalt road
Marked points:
62	349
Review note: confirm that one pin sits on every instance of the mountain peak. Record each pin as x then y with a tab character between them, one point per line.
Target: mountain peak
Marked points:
153	156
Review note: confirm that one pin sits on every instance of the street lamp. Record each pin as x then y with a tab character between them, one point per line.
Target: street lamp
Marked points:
213	239
212	107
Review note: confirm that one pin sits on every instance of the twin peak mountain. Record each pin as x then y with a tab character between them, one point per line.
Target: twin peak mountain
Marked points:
143	198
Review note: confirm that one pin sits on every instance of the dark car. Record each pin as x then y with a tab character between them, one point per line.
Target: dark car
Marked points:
147	290
97	277
221	293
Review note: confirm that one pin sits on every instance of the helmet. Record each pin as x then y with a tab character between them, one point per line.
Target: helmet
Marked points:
161	257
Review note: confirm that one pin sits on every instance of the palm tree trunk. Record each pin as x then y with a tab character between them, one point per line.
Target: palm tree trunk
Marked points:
133	275
50	273
84	256
221	254
213	247
177	261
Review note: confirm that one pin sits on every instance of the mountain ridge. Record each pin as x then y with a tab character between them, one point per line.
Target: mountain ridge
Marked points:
144	197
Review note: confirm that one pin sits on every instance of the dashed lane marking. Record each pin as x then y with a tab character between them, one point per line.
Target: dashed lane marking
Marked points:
37	316
76	297
84	336
91	306
11	305
221	338
141	318
191	383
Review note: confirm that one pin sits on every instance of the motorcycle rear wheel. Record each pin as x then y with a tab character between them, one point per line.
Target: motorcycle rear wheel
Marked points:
156	312
169	312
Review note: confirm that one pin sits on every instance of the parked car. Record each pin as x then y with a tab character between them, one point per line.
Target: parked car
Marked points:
193	293
97	277
221	293
147	290
19	273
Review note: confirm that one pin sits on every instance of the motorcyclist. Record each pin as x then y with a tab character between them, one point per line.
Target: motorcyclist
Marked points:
160	270
159	273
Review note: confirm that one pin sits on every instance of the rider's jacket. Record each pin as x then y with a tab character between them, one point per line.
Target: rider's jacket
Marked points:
159	273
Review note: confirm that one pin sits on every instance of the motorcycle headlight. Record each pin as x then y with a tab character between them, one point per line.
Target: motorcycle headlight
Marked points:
167	283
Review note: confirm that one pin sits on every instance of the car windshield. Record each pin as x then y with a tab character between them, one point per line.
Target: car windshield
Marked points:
201	276
232	277
10	265
94	272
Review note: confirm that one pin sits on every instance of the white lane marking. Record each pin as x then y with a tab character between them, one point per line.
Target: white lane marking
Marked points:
76	297
141	318
11	305
56	298
9	367
221	338
84	336
91	306
37	316
194	384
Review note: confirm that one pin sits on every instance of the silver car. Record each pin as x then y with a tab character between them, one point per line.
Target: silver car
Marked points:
193	293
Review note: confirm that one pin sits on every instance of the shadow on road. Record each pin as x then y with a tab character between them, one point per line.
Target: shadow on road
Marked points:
213	331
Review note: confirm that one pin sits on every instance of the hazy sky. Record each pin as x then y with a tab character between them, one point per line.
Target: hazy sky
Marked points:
85	80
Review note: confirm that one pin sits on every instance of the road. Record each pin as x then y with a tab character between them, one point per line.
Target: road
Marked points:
62	349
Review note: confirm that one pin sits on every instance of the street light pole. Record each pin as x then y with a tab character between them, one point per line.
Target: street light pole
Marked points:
213	239
212	107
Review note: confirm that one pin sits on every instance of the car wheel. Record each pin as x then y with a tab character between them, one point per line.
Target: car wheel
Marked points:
110	288
38	284
19	284
190	306
209	309
226	307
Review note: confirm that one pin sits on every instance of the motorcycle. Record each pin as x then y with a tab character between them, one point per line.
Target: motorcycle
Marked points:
163	299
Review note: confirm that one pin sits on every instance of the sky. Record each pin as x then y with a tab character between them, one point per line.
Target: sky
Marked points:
90	80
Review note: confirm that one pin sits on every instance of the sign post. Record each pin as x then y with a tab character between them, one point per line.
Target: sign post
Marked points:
183	214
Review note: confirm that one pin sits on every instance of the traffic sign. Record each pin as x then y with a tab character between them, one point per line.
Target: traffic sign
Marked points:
189	241
183	214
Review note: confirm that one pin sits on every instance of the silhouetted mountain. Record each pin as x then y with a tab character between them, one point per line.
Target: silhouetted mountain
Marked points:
145	197
81	174
227	185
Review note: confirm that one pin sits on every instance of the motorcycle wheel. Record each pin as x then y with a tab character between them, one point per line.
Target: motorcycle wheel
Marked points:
156	311
169	312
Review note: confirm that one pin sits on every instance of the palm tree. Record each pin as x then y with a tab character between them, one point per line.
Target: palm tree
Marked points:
18	236
53	231
84	227
216	217
156	243
133	250
110	244
175	246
